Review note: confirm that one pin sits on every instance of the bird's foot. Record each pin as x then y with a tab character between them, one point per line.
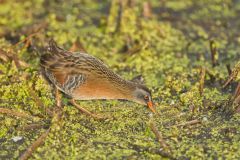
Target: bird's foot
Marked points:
99	117
95	116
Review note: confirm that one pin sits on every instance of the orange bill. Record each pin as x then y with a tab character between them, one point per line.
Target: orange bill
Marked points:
151	106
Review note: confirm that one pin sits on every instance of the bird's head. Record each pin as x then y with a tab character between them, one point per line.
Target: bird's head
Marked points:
142	95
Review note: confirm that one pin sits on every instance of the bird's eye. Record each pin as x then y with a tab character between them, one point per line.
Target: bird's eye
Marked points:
146	97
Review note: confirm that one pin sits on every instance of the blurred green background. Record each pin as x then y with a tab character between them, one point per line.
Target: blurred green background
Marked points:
183	49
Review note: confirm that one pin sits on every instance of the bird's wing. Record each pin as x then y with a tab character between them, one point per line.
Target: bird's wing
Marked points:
68	70
59	66
63	73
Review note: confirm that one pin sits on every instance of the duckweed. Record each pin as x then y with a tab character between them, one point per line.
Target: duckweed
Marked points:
167	49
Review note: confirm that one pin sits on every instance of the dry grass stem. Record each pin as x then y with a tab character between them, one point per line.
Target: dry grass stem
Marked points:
159	137
192	122
202	80
34	145
15	113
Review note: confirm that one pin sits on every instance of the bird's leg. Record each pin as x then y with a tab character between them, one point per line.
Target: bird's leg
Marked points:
95	116
58	97
58	108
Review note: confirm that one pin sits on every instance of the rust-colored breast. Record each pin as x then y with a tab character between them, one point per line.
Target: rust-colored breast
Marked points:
98	88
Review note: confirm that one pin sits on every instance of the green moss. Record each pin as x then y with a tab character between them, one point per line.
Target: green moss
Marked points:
167	50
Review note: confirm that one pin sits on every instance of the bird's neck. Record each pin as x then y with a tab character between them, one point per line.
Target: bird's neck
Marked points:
125	89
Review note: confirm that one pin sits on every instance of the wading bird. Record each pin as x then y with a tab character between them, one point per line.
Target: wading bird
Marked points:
83	77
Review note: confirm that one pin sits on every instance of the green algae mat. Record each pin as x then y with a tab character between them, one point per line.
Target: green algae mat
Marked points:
187	52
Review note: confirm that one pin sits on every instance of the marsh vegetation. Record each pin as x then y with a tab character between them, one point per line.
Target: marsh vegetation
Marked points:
187	52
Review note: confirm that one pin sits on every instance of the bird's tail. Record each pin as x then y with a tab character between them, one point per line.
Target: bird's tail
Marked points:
53	54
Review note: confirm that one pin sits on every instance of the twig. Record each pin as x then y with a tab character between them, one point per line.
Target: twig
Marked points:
34	146
147	10
34	31
27	40
32	126
213	53
237	100
87	112
236	97
192	122
202	78
55	120
57	115
151	150
228	81
136	147
237	91
159	136
77	46
238	108
7	56
233	75
15	113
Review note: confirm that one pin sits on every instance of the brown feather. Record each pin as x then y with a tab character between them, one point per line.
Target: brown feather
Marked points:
100	83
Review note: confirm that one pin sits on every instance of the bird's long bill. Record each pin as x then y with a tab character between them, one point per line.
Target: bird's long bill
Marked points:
151	106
